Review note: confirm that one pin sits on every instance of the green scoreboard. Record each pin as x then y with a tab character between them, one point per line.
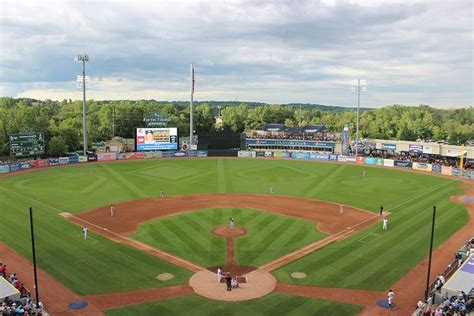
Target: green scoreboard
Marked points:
26	144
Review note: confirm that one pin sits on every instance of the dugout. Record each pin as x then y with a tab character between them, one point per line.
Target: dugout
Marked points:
7	290
462	280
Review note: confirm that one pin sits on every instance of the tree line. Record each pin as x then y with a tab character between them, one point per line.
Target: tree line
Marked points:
61	121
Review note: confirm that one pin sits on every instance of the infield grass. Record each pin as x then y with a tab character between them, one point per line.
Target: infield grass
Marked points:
189	236
273	304
90	268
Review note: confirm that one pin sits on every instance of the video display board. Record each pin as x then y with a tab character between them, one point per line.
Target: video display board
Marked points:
148	138
27	144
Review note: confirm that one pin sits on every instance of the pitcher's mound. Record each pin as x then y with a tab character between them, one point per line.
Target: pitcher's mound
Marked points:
225	231
259	283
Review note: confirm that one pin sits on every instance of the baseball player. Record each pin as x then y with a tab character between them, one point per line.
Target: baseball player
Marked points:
271	190
162	193
231	222
363	173
112	210
219	274
390	297
341	208
385	223
85	231
381	210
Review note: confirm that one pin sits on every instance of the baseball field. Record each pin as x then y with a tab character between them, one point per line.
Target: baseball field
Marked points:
344	261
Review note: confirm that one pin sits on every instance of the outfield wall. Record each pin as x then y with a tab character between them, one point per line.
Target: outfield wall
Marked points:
400	164
102	157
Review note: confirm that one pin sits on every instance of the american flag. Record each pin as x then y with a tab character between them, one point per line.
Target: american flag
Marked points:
192	88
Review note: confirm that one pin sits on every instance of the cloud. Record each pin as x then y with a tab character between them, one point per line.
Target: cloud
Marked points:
283	51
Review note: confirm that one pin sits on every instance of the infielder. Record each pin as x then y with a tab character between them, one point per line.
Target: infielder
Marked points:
85	230
112	211
385	223
271	190
341	208
162	193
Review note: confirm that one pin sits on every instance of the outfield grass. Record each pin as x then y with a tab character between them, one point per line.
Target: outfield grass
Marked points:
273	304
99	267
268	237
375	259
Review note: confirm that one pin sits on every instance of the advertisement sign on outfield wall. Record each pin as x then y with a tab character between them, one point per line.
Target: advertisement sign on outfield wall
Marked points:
456	172
53	161
388	162
121	156
4	168
278	154
41	163
269	154
436	169
83	159
106	156
134	156
342	158
260	154
202	153
91	158
153	154
300	155
63	160
370	161
333	157
350	159
14	166
446	170
360	160
422	166
403	164
73	159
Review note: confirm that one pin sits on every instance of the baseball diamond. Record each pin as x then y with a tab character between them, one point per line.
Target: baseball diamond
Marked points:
348	261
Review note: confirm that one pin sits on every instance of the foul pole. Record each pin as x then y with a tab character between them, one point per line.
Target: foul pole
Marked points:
191	106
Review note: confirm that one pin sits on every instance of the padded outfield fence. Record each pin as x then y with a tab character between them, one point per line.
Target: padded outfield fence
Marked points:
370	161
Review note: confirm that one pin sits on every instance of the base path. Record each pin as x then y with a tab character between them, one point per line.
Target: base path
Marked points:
129	215
55	296
115	300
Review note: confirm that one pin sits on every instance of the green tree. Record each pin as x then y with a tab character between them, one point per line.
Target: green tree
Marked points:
57	146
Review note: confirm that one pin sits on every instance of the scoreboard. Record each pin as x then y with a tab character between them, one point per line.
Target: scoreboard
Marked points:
27	144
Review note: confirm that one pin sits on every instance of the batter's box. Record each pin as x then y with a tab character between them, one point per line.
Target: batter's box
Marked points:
370	237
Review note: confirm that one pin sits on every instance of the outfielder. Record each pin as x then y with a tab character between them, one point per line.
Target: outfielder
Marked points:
85	230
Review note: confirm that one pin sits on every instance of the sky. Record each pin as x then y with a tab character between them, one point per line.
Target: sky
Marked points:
409	52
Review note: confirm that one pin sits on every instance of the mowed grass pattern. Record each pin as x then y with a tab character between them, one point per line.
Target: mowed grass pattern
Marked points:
189	236
273	304
376	258
92	268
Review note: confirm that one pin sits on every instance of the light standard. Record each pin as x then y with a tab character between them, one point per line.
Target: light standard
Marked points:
358	86
84	58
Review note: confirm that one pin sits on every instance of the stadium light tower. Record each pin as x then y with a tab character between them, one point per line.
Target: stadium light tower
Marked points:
84	58
358	86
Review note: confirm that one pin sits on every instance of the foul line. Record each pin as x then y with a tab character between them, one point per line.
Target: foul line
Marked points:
314	246
31	199
422	194
165	254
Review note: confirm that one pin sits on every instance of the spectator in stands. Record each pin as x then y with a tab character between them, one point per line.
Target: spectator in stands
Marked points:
3	270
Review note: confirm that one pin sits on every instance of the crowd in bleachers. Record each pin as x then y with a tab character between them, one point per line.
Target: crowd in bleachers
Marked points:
25	305
424	158
279	136
455	305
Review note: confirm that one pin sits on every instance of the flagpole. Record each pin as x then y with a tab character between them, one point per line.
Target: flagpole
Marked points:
191	107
